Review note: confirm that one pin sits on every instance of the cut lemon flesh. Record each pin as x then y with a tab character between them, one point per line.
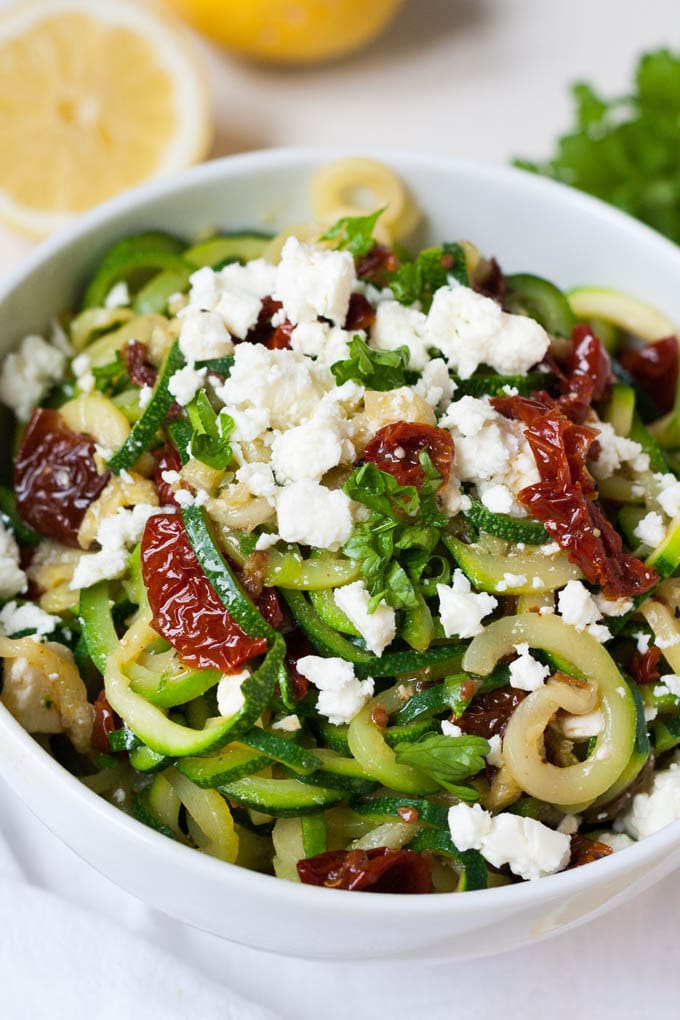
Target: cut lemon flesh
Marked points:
94	98
621	310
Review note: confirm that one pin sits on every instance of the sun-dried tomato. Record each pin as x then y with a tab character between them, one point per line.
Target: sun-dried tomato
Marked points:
589	369
269	607
379	870
104	722
167	459
55	477
585	850
655	368
376	264
396	449
564	499
360	313
273	337
488	714
141	372
297	646
489	280
644	666
186	610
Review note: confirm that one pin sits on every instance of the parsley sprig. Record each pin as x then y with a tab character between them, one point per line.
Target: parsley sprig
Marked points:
418	280
625	150
354	233
377	370
395	544
211	431
448	760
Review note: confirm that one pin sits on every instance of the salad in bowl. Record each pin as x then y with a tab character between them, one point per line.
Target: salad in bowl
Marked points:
349	562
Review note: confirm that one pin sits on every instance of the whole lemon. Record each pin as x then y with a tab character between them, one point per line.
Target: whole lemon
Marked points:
288	31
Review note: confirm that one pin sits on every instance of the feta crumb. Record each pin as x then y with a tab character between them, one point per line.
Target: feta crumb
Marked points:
28	373
530	848
498	499
450	729
495	755
582	727
118	296
652	811
650	713
230	699
313	283
668	684
527	673
470	330
266	540
651	529
511	581
12	578
341	694
579	609
398	325
289	724
435	385
461	609
203	335
311	449
669	496
14	619
313	515
613	607
616	840
615	451
82	370
116	535
185	384
145	395
642	640
379	628
569	824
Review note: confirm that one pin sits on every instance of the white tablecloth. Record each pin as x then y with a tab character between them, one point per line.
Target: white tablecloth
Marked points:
479	78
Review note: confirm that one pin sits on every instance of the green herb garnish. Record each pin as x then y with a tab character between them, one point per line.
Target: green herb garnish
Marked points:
354	233
448	760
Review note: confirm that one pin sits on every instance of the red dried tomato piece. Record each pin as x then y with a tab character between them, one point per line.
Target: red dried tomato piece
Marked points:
360	314
589	368
104	721
186	609
644	666
564	498
585	851
55	477
141	372
167	459
273	337
489	280
297	646
655	368
379	870
375	265
269	606
488	714
396	448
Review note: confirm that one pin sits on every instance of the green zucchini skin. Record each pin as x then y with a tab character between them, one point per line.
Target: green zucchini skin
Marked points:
141	253
281	798
526	294
511	529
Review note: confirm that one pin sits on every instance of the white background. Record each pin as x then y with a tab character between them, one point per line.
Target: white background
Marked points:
485	79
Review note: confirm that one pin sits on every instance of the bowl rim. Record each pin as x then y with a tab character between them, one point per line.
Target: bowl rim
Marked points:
187	859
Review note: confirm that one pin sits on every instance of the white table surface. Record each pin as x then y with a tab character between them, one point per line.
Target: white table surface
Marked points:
484	79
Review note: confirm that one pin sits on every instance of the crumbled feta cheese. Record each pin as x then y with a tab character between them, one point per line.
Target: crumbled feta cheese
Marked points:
118	296
579	609
613	607
668	684
642	640
669	495
266	540
234	294
378	629
145	395
185	384
450	729
230	698
498	499
491	451
582	727
28	373
651	529
116	535
495	755
472	330
258	479
530	848
527	673
311	449
328	344
398	325
82	370
650	713
313	515
569	824
313	283
652	811
203	335
14	619
616	840
615	451
511	581
289	724
435	385
186	498
12	578
282	386
461	609
341	694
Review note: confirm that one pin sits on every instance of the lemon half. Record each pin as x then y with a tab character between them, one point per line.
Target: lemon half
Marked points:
94	98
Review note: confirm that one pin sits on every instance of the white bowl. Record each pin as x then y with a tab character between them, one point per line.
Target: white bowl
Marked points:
529	224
